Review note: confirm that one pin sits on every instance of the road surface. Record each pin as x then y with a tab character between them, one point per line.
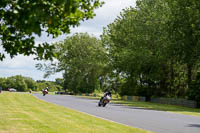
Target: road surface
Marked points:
156	121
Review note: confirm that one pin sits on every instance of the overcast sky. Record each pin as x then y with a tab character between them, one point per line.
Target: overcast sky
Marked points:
25	66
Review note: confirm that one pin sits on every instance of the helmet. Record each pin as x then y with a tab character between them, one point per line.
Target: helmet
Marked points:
109	92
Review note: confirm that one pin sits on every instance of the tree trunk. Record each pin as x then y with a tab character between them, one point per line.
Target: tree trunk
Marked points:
163	81
189	74
171	77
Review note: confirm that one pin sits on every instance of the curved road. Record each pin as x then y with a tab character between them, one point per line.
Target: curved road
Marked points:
156	121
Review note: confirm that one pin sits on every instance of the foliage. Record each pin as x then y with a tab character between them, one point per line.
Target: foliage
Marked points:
194	92
133	49
154	47
21	20
184	33
152	50
53	86
3	83
59	81
83	60
21	83
30	83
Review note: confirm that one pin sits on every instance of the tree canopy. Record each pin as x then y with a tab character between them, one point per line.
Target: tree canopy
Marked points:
155	45
83	60
20	20
21	83
150	50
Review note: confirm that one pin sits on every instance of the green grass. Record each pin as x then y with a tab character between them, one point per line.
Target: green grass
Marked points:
23	113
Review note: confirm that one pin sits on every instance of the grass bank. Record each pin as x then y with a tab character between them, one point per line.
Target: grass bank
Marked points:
23	113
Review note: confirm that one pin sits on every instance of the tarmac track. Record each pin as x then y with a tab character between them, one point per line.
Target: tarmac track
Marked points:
156	121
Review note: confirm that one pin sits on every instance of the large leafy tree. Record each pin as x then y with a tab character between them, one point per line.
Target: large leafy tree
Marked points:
184	34
156	45
3	84
17	82
20	20
30	83
135	43
83	59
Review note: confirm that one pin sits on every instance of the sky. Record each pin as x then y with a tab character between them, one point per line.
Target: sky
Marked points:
25	66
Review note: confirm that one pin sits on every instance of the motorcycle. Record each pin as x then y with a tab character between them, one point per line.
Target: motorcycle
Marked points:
104	100
45	92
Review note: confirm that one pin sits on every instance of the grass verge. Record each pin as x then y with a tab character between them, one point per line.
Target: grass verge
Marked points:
23	113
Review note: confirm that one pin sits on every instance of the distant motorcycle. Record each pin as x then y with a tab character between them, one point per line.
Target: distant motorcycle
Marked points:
104	100
45	92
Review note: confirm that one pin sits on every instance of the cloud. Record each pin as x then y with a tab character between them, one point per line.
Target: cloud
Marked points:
106	15
112	8
23	65
88	29
35	74
18	62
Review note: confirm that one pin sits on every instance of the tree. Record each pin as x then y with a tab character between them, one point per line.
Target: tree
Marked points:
60	82
20	20
31	84
10	82
155	46
83	60
135	44
17	82
185	33
21	83
3	83
40	86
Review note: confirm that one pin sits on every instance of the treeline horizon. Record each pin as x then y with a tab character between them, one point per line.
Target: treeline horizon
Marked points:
22	83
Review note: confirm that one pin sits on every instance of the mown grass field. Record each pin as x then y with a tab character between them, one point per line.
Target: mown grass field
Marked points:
23	113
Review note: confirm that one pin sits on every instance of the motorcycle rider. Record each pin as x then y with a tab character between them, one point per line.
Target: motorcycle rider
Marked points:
108	93
47	89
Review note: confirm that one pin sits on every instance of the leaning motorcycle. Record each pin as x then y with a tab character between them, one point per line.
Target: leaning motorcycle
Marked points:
45	92
104	100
